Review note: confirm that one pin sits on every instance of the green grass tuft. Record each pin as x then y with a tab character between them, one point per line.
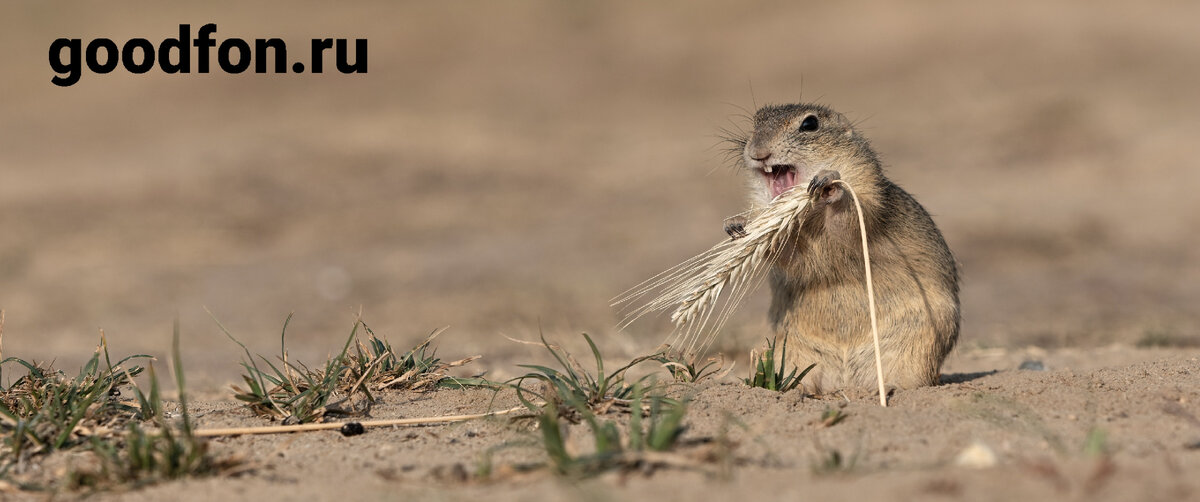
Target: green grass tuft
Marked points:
44	410
574	386
575	395
688	370
655	425
162	451
767	376
131	442
295	393
375	365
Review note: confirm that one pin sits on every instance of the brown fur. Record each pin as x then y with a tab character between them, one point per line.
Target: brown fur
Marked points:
819	302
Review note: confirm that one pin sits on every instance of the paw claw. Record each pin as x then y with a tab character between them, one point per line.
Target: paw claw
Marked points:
736	227
822	188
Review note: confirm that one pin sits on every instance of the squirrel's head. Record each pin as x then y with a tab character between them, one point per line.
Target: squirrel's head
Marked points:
789	144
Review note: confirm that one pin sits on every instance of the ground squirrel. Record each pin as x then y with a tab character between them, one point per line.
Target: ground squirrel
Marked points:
819	304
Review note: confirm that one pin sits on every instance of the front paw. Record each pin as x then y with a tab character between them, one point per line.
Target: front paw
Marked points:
822	188
735	226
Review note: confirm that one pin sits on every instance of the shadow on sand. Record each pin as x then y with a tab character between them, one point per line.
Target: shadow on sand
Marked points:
964	377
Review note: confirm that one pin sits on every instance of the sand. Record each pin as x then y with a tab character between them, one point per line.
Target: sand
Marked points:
506	169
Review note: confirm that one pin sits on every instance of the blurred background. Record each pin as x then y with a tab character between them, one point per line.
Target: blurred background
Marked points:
505	168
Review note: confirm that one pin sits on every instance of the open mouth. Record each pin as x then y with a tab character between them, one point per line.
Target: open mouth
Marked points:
779	178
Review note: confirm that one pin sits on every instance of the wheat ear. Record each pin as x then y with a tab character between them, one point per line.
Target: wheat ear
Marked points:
694	287
862	227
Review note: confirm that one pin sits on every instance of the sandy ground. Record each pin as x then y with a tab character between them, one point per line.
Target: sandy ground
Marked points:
508	168
1035	423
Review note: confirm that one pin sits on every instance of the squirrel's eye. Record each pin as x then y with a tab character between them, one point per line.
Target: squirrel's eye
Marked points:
809	123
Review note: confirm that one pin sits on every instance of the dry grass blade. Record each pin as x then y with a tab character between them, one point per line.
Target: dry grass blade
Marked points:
694	288
862	227
394	422
429	378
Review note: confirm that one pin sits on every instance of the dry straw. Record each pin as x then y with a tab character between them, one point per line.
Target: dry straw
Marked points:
394	422
694	288
862	228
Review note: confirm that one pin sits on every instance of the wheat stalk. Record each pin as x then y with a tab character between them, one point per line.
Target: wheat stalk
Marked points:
862	228
694	287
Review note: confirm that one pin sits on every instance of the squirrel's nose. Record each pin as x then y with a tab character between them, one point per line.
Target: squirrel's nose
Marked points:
760	154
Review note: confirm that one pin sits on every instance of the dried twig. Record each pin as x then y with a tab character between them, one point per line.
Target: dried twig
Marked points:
279	429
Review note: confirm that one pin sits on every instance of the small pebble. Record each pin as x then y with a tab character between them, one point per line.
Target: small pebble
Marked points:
1032	365
1194	445
976	456
352	429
